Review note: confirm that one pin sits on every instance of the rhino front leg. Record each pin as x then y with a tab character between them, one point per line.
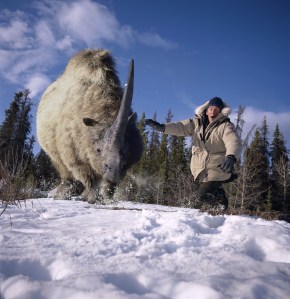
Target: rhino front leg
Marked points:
106	191
64	190
91	193
102	192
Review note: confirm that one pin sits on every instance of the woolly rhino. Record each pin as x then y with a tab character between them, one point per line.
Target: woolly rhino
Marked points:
86	125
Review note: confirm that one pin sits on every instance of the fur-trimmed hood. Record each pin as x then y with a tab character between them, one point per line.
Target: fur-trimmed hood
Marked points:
225	111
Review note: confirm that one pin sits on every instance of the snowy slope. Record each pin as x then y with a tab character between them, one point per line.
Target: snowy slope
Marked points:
70	249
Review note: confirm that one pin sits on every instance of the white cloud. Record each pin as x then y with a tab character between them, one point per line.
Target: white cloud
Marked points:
44	34
254	116
5	60
37	83
15	34
155	40
34	44
19	65
65	43
92	23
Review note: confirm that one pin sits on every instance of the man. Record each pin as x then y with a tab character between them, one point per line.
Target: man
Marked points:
215	147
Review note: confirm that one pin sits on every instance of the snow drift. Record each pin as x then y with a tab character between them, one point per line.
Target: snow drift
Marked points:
69	249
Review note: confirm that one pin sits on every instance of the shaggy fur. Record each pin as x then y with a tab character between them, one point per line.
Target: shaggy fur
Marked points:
74	117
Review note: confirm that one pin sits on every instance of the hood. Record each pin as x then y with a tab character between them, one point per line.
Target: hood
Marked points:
225	111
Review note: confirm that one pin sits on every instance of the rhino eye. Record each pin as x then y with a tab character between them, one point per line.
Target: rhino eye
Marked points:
98	151
89	122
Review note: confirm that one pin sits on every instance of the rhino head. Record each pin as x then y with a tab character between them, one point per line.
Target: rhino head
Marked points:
112	148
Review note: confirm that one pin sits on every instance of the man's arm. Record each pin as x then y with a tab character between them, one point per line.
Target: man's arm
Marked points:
180	128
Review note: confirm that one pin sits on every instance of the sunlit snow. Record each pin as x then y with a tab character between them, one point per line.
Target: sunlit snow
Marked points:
71	249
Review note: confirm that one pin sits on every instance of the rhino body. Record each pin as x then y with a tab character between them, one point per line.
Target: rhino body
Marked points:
87	127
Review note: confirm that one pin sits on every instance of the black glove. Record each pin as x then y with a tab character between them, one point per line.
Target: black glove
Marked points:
228	164
155	125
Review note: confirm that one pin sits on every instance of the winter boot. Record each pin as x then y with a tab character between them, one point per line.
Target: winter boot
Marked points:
222	199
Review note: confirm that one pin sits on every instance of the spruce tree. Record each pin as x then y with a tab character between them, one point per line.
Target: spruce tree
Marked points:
153	150
265	163
16	156
16	144
179	175
240	121
46	174
279	171
255	174
163	161
265	140
134	186
238	191
146	171
141	166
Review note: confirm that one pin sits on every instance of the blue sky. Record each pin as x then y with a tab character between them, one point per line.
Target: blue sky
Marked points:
185	51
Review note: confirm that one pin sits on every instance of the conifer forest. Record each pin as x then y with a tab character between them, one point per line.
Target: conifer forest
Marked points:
162	176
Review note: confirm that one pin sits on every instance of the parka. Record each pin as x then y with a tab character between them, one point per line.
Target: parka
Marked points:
210	143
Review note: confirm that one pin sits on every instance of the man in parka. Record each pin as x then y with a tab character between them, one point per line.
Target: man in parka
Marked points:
215	147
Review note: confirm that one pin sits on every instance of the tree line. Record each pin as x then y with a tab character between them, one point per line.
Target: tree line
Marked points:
262	187
162	176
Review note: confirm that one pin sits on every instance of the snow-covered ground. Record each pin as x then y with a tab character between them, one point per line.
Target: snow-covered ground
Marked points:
70	249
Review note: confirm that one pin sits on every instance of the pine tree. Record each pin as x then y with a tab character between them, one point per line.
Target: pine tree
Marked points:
143	174
163	161
179	175
149	183
16	142
16	156
265	163
153	150
141	166
178	154
265	141
133	186
255	174
280	171
240	121
46	174
238	191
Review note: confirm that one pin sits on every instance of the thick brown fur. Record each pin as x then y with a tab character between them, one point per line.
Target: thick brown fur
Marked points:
89	89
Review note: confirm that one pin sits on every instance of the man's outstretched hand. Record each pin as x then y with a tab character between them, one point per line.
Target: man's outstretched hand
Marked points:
155	125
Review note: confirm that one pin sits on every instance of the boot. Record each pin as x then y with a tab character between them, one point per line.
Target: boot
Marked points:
222	199
216	201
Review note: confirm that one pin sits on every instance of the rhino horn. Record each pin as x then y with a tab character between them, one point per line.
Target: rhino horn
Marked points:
120	124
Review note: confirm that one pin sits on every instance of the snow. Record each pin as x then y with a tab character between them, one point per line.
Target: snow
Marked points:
71	249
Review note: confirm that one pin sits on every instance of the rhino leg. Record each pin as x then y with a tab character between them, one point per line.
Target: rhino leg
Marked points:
106	191
101	192
65	190
90	194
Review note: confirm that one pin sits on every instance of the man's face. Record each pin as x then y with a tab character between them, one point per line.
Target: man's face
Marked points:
212	112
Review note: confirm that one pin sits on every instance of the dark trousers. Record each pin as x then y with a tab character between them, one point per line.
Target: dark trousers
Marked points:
213	187
208	187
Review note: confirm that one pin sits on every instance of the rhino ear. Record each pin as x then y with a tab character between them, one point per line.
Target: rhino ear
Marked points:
89	122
